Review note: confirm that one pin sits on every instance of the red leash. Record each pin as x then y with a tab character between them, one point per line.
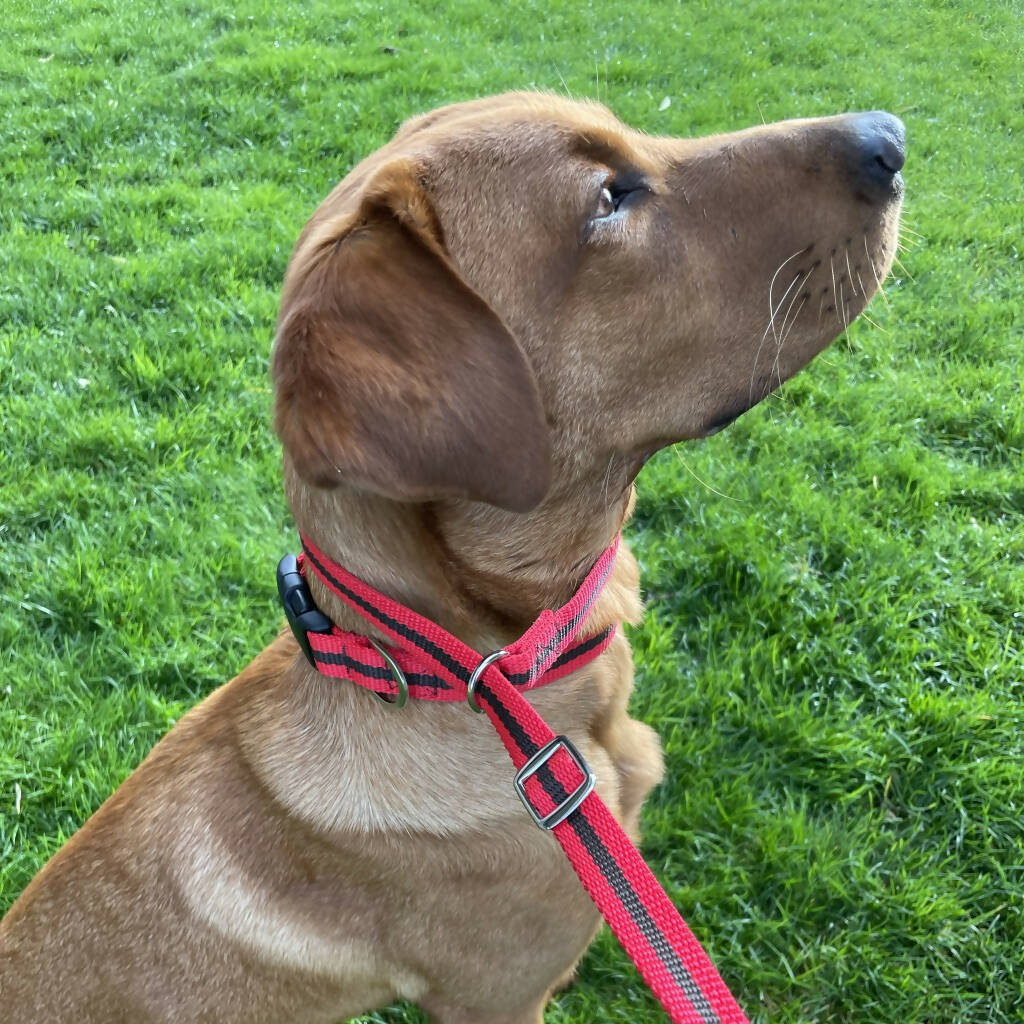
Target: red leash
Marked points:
553	781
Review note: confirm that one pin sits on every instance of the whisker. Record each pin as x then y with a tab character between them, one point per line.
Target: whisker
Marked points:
771	317
903	246
878	280
778	351
782	330
849	270
796	316
607	477
703	483
864	316
780	337
899	263
771	285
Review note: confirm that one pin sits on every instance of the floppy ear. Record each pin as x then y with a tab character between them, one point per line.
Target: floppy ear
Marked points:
393	374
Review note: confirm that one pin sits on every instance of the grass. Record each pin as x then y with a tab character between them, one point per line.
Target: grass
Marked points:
834	651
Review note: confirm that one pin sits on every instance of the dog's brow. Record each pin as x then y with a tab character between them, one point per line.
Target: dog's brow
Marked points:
608	147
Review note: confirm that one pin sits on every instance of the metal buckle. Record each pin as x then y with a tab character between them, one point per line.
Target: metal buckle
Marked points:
475	678
402	697
573	800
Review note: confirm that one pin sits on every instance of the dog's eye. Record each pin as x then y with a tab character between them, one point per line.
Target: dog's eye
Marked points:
614	195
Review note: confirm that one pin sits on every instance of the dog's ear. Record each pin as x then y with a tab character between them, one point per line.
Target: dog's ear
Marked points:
393	374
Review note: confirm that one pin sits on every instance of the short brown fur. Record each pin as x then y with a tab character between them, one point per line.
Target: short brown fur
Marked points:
474	358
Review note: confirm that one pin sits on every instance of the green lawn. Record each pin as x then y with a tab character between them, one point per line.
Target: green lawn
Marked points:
834	651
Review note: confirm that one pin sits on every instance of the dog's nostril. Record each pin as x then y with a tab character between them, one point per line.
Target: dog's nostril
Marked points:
880	146
890	155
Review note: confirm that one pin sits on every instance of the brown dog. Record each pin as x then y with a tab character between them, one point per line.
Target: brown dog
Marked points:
486	329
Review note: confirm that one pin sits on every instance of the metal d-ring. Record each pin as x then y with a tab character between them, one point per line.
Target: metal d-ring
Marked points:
475	678
402	697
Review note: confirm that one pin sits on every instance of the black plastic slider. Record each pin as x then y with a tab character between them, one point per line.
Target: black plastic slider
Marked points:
303	615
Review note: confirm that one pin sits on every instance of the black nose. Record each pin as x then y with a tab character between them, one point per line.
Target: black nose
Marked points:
880	148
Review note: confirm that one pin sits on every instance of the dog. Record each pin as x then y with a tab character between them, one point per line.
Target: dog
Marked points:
486	329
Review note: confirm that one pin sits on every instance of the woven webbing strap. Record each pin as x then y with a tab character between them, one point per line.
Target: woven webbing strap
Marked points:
551	776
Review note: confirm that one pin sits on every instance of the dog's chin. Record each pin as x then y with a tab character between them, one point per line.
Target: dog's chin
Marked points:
758	392
729	415
718	425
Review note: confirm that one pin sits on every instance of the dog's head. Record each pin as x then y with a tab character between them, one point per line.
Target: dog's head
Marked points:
521	289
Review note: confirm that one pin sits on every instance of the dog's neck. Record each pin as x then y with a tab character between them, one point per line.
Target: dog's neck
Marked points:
478	572
482	575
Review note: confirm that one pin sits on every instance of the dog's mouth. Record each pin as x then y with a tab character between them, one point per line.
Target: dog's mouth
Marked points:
817	298
760	388
716	426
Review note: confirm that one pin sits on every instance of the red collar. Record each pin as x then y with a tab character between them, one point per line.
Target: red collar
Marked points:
424	661
552	779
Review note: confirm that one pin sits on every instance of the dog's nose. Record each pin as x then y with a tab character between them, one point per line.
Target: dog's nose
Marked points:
880	147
